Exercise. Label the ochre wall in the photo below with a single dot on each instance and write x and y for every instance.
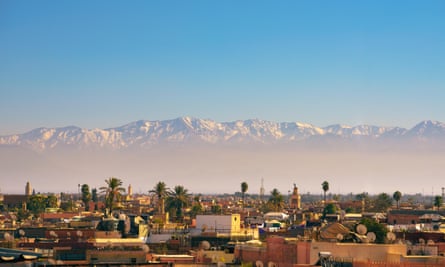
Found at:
(376, 252)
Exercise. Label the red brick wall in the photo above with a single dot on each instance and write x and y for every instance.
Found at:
(402, 218)
(277, 250)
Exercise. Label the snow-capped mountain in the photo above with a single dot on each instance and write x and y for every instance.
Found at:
(146, 133)
(427, 129)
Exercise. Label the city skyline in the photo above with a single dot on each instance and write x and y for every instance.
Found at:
(102, 64)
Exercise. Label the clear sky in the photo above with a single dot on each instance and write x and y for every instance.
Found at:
(106, 63)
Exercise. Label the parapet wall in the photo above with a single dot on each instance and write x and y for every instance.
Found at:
(359, 252)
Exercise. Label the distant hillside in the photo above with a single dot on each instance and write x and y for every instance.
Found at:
(186, 130)
(208, 156)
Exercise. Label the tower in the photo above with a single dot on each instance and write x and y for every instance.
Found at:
(130, 190)
(28, 189)
(130, 193)
(295, 199)
(262, 191)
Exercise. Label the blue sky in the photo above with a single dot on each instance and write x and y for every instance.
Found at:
(106, 63)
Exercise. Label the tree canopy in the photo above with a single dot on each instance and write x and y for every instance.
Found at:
(438, 201)
(329, 209)
(177, 200)
(161, 192)
(276, 200)
(113, 192)
(37, 204)
(244, 187)
(86, 196)
(377, 228)
(325, 187)
(397, 196)
(382, 202)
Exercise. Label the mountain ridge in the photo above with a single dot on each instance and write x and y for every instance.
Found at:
(146, 133)
(204, 155)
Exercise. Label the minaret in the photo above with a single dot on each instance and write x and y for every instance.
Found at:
(295, 199)
(28, 189)
(262, 191)
(130, 191)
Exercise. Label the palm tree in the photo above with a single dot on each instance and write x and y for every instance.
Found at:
(113, 192)
(438, 200)
(196, 206)
(276, 200)
(325, 187)
(94, 197)
(86, 196)
(161, 192)
(397, 196)
(178, 199)
(244, 187)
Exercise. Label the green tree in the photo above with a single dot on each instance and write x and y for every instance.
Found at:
(86, 196)
(113, 192)
(178, 199)
(196, 206)
(67, 205)
(325, 187)
(51, 201)
(94, 197)
(364, 198)
(329, 209)
(438, 201)
(382, 202)
(216, 209)
(244, 187)
(36, 204)
(397, 196)
(161, 192)
(377, 228)
(196, 209)
(23, 215)
(276, 200)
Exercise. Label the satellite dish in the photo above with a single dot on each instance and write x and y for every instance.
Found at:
(259, 263)
(79, 233)
(430, 242)
(422, 241)
(53, 234)
(371, 236)
(7, 237)
(340, 237)
(204, 227)
(391, 236)
(205, 245)
(361, 229)
(145, 248)
(21, 232)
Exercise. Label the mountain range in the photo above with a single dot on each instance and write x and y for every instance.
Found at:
(210, 156)
(187, 130)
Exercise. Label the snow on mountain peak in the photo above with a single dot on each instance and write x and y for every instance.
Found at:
(188, 129)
